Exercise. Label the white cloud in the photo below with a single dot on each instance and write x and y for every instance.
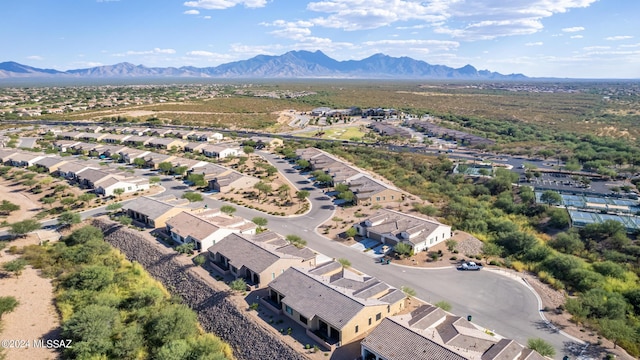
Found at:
(592, 48)
(573, 29)
(630, 45)
(618, 38)
(35, 57)
(154, 51)
(298, 30)
(464, 19)
(576, 37)
(207, 17)
(192, 12)
(416, 44)
(537, 43)
(201, 53)
(225, 4)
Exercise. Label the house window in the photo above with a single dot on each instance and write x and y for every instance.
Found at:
(273, 276)
(288, 310)
(392, 197)
(377, 198)
(388, 309)
(369, 321)
(378, 316)
(303, 320)
(357, 329)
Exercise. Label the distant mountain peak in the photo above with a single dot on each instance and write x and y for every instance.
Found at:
(293, 64)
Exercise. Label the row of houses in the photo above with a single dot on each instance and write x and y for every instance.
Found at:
(335, 305)
(102, 180)
(141, 131)
(367, 189)
(219, 178)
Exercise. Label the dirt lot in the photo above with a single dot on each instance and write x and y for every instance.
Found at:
(286, 203)
(35, 317)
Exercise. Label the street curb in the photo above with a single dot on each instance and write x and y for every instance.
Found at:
(540, 311)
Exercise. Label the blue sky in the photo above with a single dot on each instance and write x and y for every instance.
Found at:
(539, 38)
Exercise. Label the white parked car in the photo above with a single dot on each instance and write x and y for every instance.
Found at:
(469, 266)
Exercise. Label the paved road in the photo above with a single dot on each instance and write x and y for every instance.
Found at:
(497, 302)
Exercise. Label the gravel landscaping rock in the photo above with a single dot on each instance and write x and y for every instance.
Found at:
(216, 313)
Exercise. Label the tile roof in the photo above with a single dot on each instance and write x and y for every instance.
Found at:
(333, 298)
(393, 341)
(187, 224)
(243, 250)
(152, 208)
(505, 349)
(393, 224)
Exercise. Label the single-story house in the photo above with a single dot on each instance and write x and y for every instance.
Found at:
(167, 143)
(391, 227)
(221, 151)
(258, 258)
(72, 169)
(207, 228)
(428, 333)
(154, 212)
(25, 159)
(107, 186)
(51, 163)
(351, 303)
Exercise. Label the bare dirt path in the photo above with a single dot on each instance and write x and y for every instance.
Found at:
(36, 317)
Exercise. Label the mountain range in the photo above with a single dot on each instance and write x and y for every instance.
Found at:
(291, 65)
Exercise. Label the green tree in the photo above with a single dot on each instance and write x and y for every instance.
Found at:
(186, 248)
(180, 170)
(238, 285)
(228, 209)
(118, 192)
(172, 322)
(616, 330)
(542, 347)
(199, 260)
(90, 328)
(303, 164)
(84, 235)
(7, 304)
(248, 150)
(139, 162)
(490, 250)
(283, 191)
(15, 266)
(408, 292)
(403, 249)
(351, 232)
(86, 197)
(22, 228)
(69, 218)
(451, 244)
(197, 180)
(192, 196)
(443, 305)
(260, 221)
(7, 207)
(153, 180)
(568, 243)
(301, 195)
(165, 167)
(551, 197)
(114, 206)
(262, 187)
(296, 240)
(48, 200)
(92, 278)
(344, 262)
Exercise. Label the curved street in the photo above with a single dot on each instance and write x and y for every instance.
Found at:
(498, 302)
